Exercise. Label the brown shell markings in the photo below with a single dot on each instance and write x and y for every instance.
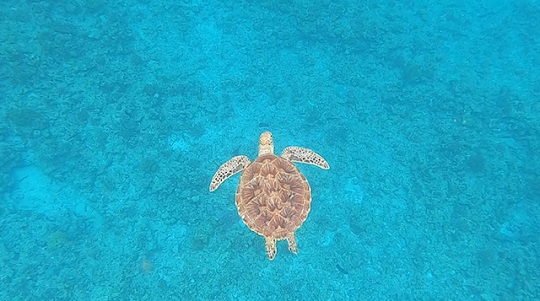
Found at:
(273, 197)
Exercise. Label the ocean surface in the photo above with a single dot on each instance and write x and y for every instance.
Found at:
(115, 115)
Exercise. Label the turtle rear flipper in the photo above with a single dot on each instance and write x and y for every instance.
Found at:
(229, 168)
(304, 155)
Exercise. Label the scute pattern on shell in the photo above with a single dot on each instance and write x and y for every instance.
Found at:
(273, 197)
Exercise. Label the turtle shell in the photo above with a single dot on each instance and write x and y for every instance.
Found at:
(273, 197)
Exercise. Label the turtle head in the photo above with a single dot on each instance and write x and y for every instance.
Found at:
(266, 144)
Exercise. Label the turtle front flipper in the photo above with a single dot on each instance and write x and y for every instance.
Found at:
(229, 168)
(304, 155)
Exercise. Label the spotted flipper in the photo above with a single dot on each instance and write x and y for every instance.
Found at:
(229, 168)
(271, 249)
(304, 155)
(292, 243)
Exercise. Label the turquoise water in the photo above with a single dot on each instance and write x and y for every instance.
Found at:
(114, 118)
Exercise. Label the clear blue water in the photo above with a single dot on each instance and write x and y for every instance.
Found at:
(114, 118)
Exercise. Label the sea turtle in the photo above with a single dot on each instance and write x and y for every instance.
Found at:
(273, 196)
